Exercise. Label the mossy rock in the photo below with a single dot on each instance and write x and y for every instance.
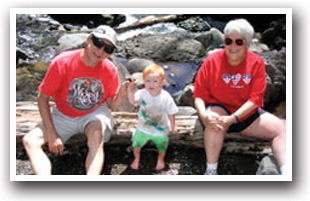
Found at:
(40, 67)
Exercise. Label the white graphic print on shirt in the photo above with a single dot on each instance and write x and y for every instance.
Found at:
(85, 93)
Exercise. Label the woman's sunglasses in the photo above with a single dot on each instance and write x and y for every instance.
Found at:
(238, 41)
(99, 44)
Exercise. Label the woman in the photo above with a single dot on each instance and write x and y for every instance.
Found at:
(229, 93)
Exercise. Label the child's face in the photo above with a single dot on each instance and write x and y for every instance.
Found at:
(153, 83)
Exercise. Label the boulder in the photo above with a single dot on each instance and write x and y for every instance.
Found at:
(194, 24)
(211, 39)
(21, 54)
(268, 166)
(137, 65)
(71, 41)
(161, 47)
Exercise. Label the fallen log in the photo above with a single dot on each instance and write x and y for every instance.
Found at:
(190, 132)
(147, 21)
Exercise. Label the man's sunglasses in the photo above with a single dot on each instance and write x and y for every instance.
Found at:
(99, 44)
(238, 41)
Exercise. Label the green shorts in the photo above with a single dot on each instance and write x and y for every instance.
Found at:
(139, 139)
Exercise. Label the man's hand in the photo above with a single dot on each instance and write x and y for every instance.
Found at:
(55, 144)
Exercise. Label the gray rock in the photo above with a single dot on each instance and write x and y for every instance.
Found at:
(71, 41)
(186, 97)
(122, 74)
(161, 47)
(268, 166)
(275, 65)
(258, 47)
(211, 39)
(137, 65)
(21, 54)
(194, 24)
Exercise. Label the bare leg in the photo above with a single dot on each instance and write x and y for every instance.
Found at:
(161, 160)
(213, 141)
(39, 161)
(95, 157)
(135, 164)
(268, 126)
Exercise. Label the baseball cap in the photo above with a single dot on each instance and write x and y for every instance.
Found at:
(105, 32)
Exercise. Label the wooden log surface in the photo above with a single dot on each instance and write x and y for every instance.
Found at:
(147, 21)
(190, 131)
(144, 22)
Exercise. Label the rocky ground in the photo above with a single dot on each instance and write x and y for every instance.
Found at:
(179, 161)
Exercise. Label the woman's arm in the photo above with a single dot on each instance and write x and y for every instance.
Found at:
(244, 110)
(201, 109)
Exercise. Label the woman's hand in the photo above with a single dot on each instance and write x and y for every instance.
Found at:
(212, 120)
(226, 121)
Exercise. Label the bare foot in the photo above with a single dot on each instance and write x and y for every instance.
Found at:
(160, 165)
(135, 165)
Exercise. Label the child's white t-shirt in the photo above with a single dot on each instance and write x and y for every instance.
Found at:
(154, 111)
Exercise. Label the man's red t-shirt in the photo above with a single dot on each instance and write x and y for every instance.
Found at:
(76, 88)
(231, 86)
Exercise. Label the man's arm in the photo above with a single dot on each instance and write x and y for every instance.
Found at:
(132, 88)
(55, 143)
(116, 102)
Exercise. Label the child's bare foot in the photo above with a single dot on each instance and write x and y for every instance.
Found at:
(135, 165)
(160, 165)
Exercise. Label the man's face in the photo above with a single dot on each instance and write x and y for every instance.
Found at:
(94, 53)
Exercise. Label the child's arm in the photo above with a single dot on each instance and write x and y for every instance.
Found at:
(131, 93)
(173, 128)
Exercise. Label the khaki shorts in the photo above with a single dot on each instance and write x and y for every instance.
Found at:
(66, 126)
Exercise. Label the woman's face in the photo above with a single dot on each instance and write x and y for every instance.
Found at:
(236, 47)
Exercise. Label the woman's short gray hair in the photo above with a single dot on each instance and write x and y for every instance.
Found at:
(240, 26)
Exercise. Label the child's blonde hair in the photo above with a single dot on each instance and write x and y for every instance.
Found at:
(154, 68)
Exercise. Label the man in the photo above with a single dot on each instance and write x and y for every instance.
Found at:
(84, 85)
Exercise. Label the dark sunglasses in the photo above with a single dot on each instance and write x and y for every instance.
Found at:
(238, 41)
(99, 44)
